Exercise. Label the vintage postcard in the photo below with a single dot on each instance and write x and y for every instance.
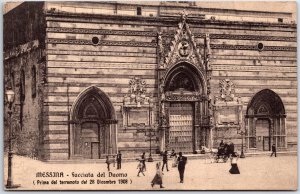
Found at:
(182, 95)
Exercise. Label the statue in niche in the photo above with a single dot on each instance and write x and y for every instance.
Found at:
(162, 92)
(164, 121)
(160, 51)
(208, 49)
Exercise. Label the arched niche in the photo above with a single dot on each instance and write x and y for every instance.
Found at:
(93, 129)
(185, 76)
(265, 121)
(184, 109)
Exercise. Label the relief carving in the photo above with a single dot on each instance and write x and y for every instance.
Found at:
(227, 107)
(161, 56)
(136, 96)
(183, 47)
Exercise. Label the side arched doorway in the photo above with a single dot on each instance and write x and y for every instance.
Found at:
(265, 121)
(93, 125)
(186, 105)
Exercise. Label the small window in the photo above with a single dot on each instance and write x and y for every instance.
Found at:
(33, 81)
(12, 80)
(95, 40)
(22, 86)
(280, 20)
(260, 46)
(138, 11)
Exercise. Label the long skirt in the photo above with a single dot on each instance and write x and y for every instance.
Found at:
(157, 180)
(234, 169)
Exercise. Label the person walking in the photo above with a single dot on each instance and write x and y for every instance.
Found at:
(234, 167)
(165, 161)
(144, 161)
(141, 168)
(107, 162)
(182, 160)
(273, 150)
(119, 160)
(157, 180)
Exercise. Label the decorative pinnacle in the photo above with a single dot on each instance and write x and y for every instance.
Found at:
(184, 15)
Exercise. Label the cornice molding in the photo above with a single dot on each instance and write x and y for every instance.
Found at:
(56, 16)
(154, 45)
(101, 43)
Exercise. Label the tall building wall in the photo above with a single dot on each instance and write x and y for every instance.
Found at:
(23, 72)
(127, 49)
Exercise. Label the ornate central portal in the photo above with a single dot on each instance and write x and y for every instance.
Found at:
(184, 116)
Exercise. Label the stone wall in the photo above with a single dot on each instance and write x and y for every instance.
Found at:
(27, 109)
(127, 48)
(24, 51)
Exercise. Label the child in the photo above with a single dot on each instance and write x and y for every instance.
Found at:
(141, 168)
(107, 162)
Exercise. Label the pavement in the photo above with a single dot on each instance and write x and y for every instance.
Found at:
(257, 173)
(157, 157)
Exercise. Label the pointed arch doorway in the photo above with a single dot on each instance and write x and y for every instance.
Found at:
(186, 106)
(265, 122)
(93, 126)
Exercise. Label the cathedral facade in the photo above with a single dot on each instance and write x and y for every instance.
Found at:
(94, 78)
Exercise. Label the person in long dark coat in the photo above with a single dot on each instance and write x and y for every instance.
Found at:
(234, 167)
(119, 160)
(165, 161)
(273, 150)
(181, 166)
(231, 148)
(220, 149)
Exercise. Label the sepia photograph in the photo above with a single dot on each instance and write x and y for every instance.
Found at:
(150, 95)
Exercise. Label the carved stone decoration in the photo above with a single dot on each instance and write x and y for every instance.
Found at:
(183, 47)
(207, 51)
(227, 107)
(153, 34)
(136, 96)
(160, 51)
(227, 90)
(137, 106)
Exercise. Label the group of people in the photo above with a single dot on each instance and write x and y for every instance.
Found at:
(179, 161)
(225, 149)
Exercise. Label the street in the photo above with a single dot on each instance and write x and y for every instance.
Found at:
(257, 173)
